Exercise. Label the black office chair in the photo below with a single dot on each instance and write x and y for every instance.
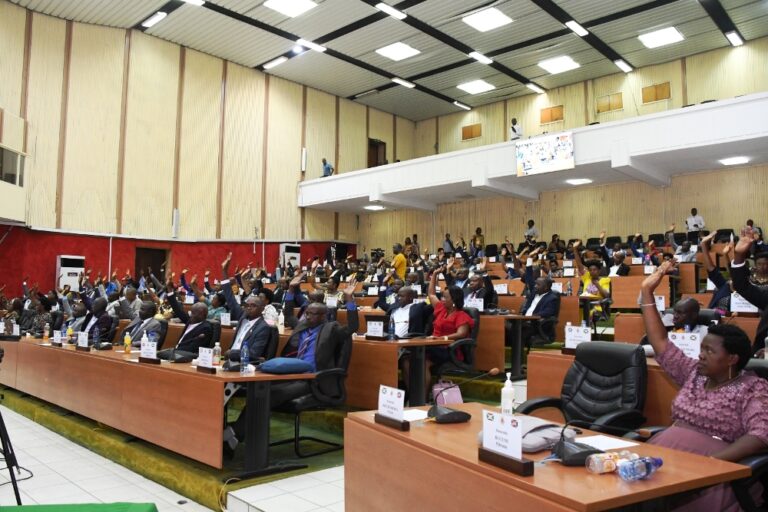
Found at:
(593, 244)
(491, 250)
(706, 316)
(327, 390)
(545, 328)
(112, 330)
(162, 334)
(467, 346)
(611, 240)
(57, 320)
(605, 387)
(724, 235)
(657, 238)
(680, 238)
(274, 339)
(216, 333)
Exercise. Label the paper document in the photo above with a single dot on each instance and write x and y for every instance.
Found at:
(602, 442)
(414, 415)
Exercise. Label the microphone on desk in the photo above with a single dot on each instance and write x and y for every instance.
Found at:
(573, 453)
(447, 415)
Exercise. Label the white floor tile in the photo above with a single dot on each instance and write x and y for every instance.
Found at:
(285, 503)
(322, 495)
(257, 492)
(236, 505)
(329, 475)
(297, 483)
(336, 507)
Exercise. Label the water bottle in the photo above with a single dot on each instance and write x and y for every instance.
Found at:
(46, 331)
(687, 328)
(281, 322)
(64, 336)
(508, 396)
(391, 331)
(600, 463)
(583, 323)
(639, 469)
(569, 289)
(244, 357)
(96, 335)
(217, 354)
(127, 343)
(765, 352)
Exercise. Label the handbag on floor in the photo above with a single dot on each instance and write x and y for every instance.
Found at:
(451, 395)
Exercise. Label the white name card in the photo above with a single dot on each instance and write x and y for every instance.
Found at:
(189, 299)
(569, 272)
(557, 287)
(648, 269)
(149, 349)
(372, 291)
(637, 261)
(661, 302)
(375, 328)
(474, 303)
(574, 335)
(391, 402)
(510, 265)
(711, 286)
(2, 327)
(331, 301)
(57, 336)
(567, 264)
(688, 342)
(82, 339)
(225, 319)
(501, 289)
(417, 289)
(492, 259)
(205, 357)
(741, 305)
(502, 434)
(529, 262)
(17, 330)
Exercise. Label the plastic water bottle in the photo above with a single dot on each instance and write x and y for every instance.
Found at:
(639, 469)
(96, 335)
(46, 331)
(600, 463)
(281, 322)
(63, 334)
(127, 343)
(583, 323)
(508, 396)
(245, 357)
(765, 352)
(217, 354)
(391, 331)
(569, 289)
(687, 328)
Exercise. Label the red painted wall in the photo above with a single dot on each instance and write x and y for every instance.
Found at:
(28, 253)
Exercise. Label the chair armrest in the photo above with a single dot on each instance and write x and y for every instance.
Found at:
(457, 345)
(329, 380)
(534, 404)
(757, 463)
(623, 418)
(640, 434)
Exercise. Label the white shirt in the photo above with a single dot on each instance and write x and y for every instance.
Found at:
(694, 223)
(515, 132)
(244, 326)
(614, 271)
(402, 318)
(532, 232)
(685, 257)
(535, 303)
(93, 321)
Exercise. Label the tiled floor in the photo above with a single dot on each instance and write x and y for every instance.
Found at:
(311, 492)
(65, 472)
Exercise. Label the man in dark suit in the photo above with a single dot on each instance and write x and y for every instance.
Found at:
(198, 331)
(144, 323)
(542, 302)
(480, 287)
(98, 318)
(757, 295)
(614, 264)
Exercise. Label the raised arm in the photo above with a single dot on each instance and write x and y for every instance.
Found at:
(654, 328)
(740, 275)
(226, 286)
(431, 289)
(577, 257)
(178, 309)
(670, 234)
(704, 244)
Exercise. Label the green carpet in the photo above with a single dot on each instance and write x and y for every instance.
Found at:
(190, 478)
(104, 507)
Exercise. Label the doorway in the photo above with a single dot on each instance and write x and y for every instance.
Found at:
(377, 152)
(151, 258)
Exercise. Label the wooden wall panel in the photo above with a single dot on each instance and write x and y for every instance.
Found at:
(381, 230)
(381, 128)
(318, 224)
(490, 116)
(425, 137)
(13, 131)
(12, 23)
(406, 131)
(348, 227)
(728, 72)
(93, 128)
(198, 158)
(150, 137)
(498, 216)
(243, 152)
(631, 85)
(283, 159)
(321, 132)
(353, 146)
(527, 110)
(46, 67)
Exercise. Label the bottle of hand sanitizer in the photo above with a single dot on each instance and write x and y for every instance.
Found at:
(508, 397)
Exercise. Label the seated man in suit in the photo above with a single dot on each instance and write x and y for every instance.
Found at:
(409, 318)
(683, 252)
(480, 287)
(614, 264)
(543, 302)
(144, 323)
(198, 331)
(684, 318)
(76, 313)
(98, 319)
(129, 306)
(388, 294)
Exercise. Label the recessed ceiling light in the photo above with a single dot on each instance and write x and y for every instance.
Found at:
(297, 49)
(479, 57)
(476, 86)
(661, 37)
(290, 8)
(559, 64)
(374, 207)
(154, 19)
(461, 105)
(580, 31)
(734, 38)
(735, 160)
(391, 11)
(622, 65)
(398, 51)
(487, 19)
(404, 83)
(274, 63)
(311, 45)
(578, 181)
(535, 88)
(195, 2)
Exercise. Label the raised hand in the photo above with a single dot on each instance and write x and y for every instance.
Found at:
(744, 245)
(576, 245)
(296, 281)
(207, 272)
(652, 281)
(184, 270)
(671, 227)
(707, 239)
(727, 248)
(602, 234)
(350, 289)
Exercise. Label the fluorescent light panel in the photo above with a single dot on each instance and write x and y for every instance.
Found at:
(154, 19)
(195, 2)
(479, 57)
(487, 19)
(535, 88)
(398, 51)
(366, 93)
(734, 38)
(578, 29)
(391, 11)
(274, 63)
(578, 181)
(559, 64)
(476, 87)
(404, 83)
(374, 207)
(311, 45)
(461, 105)
(661, 37)
(290, 8)
(735, 160)
(622, 65)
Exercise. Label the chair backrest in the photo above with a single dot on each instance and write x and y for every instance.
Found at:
(723, 235)
(57, 320)
(216, 332)
(491, 250)
(612, 240)
(658, 238)
(604, 377)
(759, 366)
(475, 314)
(706, 316)
(272, 343)
(680, 238)
(162, 334)
(593, 244)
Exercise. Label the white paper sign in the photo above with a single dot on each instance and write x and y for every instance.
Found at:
(569, 272)
(637, 261)
(2, 327)
(416, 288)
(501, 288)
(375, 328)
(510, 265)
(189, 299)
(82, 339)
(502, 434)
(741, 305)
(688, 342)
(441, 277)
(225, 319)
(574, 335)
(331, 301)
(204, 357)
(492, 259)
(528, 262)
(711, 286)
(57, 336)
(391, 402)
(372, 291)
(648, 269)
(661, 302)
(557, 287)
(149, 349)
(474, 303)
(567, 263)
(16, 330)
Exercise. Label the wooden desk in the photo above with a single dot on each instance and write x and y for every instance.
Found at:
(170, 405)
(628, 327)
(435, 468)
(546, 372)
(689, 278)
(625, 291)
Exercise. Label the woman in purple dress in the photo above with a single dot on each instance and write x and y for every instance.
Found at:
(721, 410)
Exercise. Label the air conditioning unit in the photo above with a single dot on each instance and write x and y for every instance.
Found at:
(292, 253)
(68, 270)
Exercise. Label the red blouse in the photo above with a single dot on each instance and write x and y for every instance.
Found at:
(446, 324)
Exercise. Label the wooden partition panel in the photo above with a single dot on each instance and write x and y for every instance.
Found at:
(626, 290)
(628, 327)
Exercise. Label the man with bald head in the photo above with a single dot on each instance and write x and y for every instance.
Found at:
(686, 314)
(98, 318)
(145, 323)
(198, 331)
(409, 318)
